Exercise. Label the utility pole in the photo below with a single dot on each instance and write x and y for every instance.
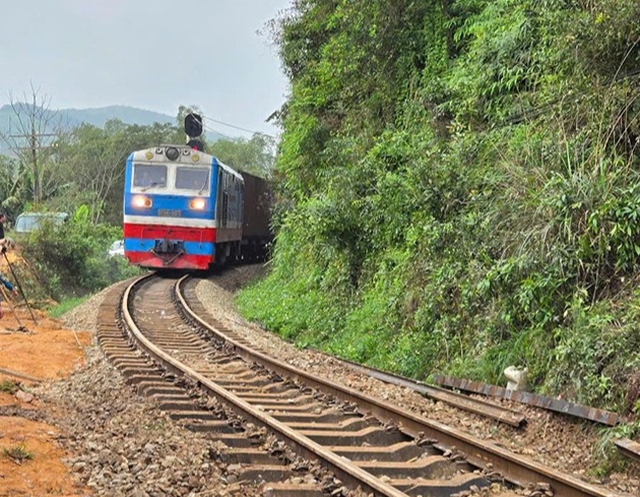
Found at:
(32, 122)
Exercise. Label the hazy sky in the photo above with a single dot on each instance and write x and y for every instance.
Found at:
(152, 54)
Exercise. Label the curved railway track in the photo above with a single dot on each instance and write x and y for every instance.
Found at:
(209, 379)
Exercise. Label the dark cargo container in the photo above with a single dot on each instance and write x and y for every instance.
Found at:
(256, 224)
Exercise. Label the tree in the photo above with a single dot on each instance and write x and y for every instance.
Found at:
(256, 155)
(93, 159)
(8, 185)
(31, 138)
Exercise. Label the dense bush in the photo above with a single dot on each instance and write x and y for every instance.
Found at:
(71, 259)
(459, 186)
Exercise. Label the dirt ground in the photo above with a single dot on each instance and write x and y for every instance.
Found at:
(30, 460)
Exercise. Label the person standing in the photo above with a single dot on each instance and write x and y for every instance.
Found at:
(4, 241)
(7, 284)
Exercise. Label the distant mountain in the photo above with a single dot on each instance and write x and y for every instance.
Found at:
(99, 116)
(128, 115)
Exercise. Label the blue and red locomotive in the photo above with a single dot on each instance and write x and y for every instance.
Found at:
(184, 209)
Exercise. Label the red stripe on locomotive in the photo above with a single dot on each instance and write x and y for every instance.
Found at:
(155, 231)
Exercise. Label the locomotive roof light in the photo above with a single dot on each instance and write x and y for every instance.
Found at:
(159, 150)
(186, 151)
(197, 204)
(172, 153)
(141, 201)
(149, 155)
(196, 144)
(195, 157)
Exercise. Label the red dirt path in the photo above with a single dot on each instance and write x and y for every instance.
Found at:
(49, 352)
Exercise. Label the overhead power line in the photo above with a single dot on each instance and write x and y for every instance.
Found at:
(213, 130)
(237, 127)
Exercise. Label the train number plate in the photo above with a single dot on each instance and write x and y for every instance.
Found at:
(170, 212)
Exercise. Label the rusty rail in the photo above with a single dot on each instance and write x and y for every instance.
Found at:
(532, 399)
(628, 447)
(464, 402)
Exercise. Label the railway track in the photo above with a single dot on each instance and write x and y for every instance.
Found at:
(460, 401)
(209, 379)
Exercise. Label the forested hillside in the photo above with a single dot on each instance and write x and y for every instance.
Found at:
(459, 190)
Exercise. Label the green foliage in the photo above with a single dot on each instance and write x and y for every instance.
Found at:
(17, 453)
(9, 386)
(65, 306)
(254, 156)
(71, 259)
(458, 190)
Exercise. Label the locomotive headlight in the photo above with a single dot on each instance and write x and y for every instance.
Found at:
(141, 202)
(197, 204)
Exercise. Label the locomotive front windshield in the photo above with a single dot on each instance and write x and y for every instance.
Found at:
(192, 178)
(146, 176)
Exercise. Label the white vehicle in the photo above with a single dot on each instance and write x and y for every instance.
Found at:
(30, 221)
(116, 249)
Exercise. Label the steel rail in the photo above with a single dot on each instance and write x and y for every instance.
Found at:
(461, 401)
(480, 453)
(532, 399)
(628, 447)
(340, 466)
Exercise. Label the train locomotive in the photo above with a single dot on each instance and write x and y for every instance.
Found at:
(186, 210)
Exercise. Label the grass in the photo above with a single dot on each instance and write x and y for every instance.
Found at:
(17, 453)
(66, 305)
(9, 386)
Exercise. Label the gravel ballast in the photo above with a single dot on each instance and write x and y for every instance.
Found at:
(94, 404)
